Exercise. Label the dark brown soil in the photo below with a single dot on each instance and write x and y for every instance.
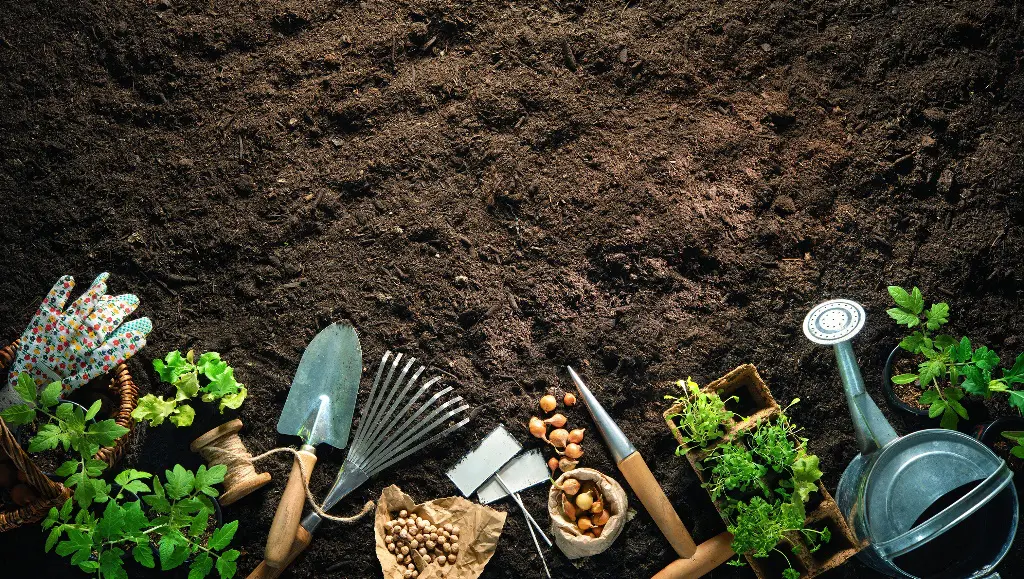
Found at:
(910, 394)
(643, 190)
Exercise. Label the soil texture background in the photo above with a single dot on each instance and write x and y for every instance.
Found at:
(643, 190)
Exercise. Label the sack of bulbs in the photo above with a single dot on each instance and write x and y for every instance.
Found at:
(452, 537)
(588, 511)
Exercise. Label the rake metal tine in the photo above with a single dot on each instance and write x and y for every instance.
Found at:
(411, 436)
(423, 408)
(387, 403)
(366, 405)
(418, 447)
(374, 407)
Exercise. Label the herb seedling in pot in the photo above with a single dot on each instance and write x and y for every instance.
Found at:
(701, 418)
(70, 427)
(950, 368)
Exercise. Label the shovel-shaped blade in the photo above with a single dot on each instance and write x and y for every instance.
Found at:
(323, 395)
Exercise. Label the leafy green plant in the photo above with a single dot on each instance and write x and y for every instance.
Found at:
(733, 468)
(701, 417)
(951, 368)
(771, 441)
(176, 521)
(760, 526)
(208, 377)
(71, 427)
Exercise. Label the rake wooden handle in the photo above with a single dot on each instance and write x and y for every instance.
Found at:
(286, 520)
(647, 489)
(264, 571)
(709, 554)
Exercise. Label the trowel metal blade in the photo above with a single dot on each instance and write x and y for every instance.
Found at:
(496, 449)
(520, 473)
(322, 398)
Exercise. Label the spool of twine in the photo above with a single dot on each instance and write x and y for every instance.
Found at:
(222, 445)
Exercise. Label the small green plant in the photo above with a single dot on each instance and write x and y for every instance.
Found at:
(771, 441)
(176, 521)
(760, 526)
(70, 427)
(733, 469)
(209, 376)
(951, 368)
(701, 418)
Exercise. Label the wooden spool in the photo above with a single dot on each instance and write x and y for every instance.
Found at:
(242, 484)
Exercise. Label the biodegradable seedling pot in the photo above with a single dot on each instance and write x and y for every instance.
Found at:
(755, 403)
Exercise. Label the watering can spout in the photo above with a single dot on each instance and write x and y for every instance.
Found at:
(835, 323)
(872, 429)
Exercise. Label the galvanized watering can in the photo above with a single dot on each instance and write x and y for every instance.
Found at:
(934, 504)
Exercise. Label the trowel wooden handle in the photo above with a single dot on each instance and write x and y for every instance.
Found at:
(646, 487)
(264, 571)
(709, 554)
(289, 511)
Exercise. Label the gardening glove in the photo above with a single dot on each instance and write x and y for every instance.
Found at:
(77, 344)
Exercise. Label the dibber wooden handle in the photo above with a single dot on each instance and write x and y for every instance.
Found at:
(289, 511)
(646, 487)
(264, 571)
(709, 554)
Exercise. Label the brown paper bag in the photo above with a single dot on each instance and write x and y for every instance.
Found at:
(567, 536)
(480, 528)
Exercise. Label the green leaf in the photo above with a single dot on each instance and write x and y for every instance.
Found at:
(904, 378)
(1017, 451)
(50, 395)
(46, 439)
(222, 385)
(222, 536)
(158, 504)
(985, 359)
(67, 468)
(94, 467)
(144, 556)
(233, 401)
(912, 302)
(172, 552)
(949, 419)
(94, 410)
(226, 565)
(130, 474)
(210, 365)
(172, 366)
(154, 409)
(936, 409)
(958, 408)
(135, 519)
(201, 566)
(199, 523)
(930, 371)
(112, 521)
(187, 386)
(914, 343)
(1015, 375)
(962, 352)
(105, 432)
(937, 315)
(18, 415)
(51, 539)
(65, 509)
(902, 317)
(1014, 435)
(1017, 399)
(184, 416)
(944, 341)
(976, 381)
(206, 478)
(136, 486)
(26, 388)
(179, 482)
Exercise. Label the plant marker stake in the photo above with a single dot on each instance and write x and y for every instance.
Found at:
(637, 474)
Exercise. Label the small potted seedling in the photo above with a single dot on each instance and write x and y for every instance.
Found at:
(1005, 436)
(937, 371)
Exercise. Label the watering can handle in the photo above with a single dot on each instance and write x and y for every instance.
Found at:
(872, 429)
(949, 517)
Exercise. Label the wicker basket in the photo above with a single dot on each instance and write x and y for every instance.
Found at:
(53, 493)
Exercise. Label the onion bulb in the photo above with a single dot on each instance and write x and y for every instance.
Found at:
(559, 437)
(601, 518)
(565, 464)
(576, 435)
(568, 508)
(569, 399)
(597, 507)
(584, 501)
(573, 450)
(537, 427)
(548, 403)
(597, 531)
(557, 420)
(571, 486)
(553, 463)
(584, 523)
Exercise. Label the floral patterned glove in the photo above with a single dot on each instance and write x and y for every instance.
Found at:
(77, 344)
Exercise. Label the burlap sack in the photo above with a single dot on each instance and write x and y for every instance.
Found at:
(481, 526)
(567, 536)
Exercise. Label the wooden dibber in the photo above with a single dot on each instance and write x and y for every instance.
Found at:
(223, 446)
(286, 520)
(709, 554)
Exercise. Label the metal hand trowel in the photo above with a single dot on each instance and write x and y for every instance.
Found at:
(319, 409)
